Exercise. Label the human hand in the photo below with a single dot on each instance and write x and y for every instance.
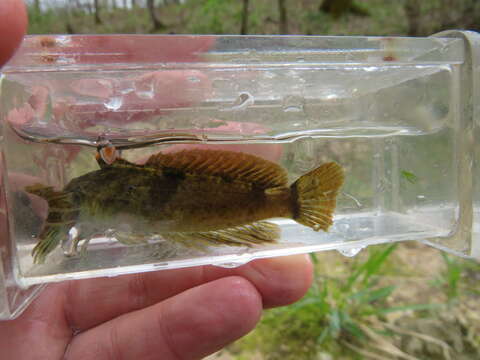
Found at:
(171, 314)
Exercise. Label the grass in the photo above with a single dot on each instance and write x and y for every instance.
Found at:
(459, 277)
(334, 317)
(358, 310)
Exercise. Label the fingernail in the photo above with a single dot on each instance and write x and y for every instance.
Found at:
(288, 261)
(282, 280)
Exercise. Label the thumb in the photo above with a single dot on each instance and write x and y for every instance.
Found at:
(13, 25)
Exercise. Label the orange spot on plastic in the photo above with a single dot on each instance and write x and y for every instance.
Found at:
(49, 58)
(48, 42)
(389, 58)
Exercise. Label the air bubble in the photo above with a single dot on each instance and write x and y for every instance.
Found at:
(145, 91)
(350, 252)
(354, 199)
(114, 103)
(231, 265)
(292, 109)
(343, 227)
(69, 245)
(145, 94)
(243, 101)
(293, 103)
(127, 91)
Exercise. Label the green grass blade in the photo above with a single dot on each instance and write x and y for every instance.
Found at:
(368, 295)
(354, 329)
(370, 267)
(409, 176)
(374, 263)
(335, 322)
(414, 307)
(323, 336)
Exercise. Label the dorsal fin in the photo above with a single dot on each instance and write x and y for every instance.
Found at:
(227, 164)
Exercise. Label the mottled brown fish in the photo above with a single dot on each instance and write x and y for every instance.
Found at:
(192, 196)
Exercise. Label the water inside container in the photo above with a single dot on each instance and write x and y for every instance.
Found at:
(392, 128)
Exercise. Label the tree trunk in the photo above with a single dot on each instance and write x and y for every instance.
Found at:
(98, 20)
(283, 24)
(335, 7)
(114, 4)
(244, 29)
(456, 14)
(472, 17)
(36, 5)
(134, 3)
(412, 10)
(68, 26)
(157, 24)
(339, 7)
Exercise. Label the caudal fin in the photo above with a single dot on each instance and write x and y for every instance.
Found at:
(61, 216)
(315, 194)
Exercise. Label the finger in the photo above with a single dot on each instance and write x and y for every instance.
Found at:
(41, 325)
(139, 49)
(13, 25)
(190, 325)
(279, 281)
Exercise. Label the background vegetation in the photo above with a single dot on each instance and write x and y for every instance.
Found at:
(404, 301)
(320, 17)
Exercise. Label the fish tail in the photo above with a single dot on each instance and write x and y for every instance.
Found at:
(61, 216)
(315, 194)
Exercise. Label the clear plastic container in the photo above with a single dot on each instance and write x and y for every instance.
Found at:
(399, 115)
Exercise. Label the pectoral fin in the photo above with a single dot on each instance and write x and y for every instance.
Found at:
(245, 235)
(62, 215)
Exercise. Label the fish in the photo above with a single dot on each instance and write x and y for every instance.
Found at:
(194, 196)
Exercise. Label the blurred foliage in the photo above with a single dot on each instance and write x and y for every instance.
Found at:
(365, 17)
(374, 307)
